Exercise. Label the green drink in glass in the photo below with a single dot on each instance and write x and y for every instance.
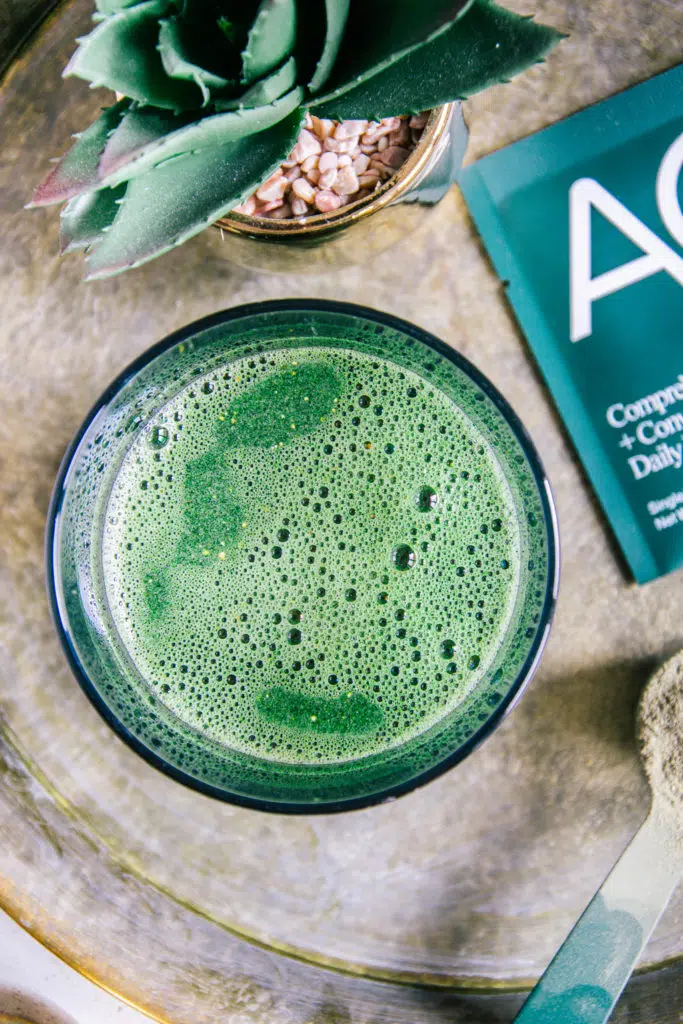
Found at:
(302, 556)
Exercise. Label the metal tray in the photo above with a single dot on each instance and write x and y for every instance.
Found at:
(445, 905)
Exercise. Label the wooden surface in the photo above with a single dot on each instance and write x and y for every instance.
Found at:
(471, 882)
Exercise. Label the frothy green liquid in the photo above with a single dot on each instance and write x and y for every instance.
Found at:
(311, 555)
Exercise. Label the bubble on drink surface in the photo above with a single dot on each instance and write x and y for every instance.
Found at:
(282, 570)
(426, 499)
(403, 557)
(133, 423)
(158, 437)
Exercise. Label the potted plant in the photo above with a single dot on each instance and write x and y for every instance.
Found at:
(214, 96)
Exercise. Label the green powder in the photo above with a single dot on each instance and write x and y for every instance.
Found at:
(312, 555)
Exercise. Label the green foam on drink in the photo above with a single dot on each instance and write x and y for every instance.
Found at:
(330, 491)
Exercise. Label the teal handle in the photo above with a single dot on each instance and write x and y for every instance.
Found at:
(589, 971)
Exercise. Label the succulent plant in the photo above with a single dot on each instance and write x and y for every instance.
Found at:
(214, 93)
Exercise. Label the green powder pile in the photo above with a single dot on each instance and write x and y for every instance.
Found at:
(660, 733)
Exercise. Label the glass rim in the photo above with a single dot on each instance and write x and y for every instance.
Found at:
(528, 668)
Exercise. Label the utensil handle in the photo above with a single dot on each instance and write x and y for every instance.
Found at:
(591, 967)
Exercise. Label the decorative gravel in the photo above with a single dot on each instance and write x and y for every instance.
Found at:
(335, 163)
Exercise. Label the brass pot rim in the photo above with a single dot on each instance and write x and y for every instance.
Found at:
(324, 223)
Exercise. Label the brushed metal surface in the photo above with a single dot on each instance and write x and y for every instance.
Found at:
(18, 19)
(466, 887)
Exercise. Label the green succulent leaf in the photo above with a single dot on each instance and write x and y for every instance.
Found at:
(139, 131)
(77, 171)
(271, 39)
(336, 14)
(173, 202)
(210, 40)
(265, 91)
(228, 29)
(107, 7)
(178, 63)
(138, 151)
(488, 45)
(214, 95)
(84, 218)
(121, 54)
(378, 34)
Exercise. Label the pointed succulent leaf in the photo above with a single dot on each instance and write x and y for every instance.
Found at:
(84, 218)
(378, 34)
(77, 171)
(178, 64)
(141, 129)
(271, 39)
(265, 91)
(177, 200)
(121, 53)
(216, 130)
(488, 44)
(336, 14)
(107, 7)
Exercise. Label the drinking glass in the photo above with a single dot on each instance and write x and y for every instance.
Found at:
(87, 629)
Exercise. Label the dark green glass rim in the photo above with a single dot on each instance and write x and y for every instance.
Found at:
(552, 579)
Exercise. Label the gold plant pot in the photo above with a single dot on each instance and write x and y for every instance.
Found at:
(356, 232)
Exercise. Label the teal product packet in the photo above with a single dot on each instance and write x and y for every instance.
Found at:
(584, 223)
